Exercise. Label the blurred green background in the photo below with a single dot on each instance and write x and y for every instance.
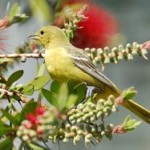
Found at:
(134, 20)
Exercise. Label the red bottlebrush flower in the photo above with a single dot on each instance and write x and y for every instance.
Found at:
(27, 124)
(97, 31)
(40, 110)
(32, 118)
(40, 130)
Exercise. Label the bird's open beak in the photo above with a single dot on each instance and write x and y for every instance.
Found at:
(34, 37)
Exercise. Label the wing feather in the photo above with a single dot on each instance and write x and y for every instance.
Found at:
(83, 62)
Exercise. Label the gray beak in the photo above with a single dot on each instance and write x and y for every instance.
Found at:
(34, 37)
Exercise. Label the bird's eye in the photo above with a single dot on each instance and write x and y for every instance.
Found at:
(42, 32)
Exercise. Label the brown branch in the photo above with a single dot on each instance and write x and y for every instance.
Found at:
(23, 56)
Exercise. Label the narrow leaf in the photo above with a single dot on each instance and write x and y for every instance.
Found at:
(62, 96)
(28, 89)
(80, 91)
(14, 77)
(41, 70)
(40, 82)
(14, 10)
(55, 86)
(4, 130)
(72, 99)
(6, 144)
(50, 97)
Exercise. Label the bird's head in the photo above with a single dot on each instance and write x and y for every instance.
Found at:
(50, 37)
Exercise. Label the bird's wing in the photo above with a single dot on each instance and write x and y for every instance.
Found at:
(82, 62)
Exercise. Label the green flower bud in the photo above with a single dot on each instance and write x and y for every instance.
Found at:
(80, 132)
(130, 57)
(79, 120)
(103, 133)
(25, 138)
(32, 133)
(74, 128)
(80, 106)
(72, 117)
(93, 118)
(19, 133)
(76, 139)
(99, 114)
(79, 115)
(26, 131)
(65, 140)
(88, 136)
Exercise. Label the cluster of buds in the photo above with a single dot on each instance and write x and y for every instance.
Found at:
(90, 112)
(113, 55)
(72, 25)
(37, 125)
(87, 132)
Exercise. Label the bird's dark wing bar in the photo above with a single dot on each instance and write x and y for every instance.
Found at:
(87, 66)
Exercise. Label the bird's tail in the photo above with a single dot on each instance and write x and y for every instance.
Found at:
(138, 110)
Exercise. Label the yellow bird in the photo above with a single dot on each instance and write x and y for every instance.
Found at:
(65, 62)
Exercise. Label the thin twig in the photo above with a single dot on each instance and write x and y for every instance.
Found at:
(25, 55)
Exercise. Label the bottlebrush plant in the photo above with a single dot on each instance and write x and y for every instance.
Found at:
(69, 112)
(99, 29)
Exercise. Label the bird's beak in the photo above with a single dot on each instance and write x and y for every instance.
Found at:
(34, 37)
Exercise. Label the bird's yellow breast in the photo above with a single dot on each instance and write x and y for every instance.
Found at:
(61, 67)
(57, 62)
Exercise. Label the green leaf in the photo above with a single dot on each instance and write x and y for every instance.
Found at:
(11, 118)
(130, 124)
(80, 91)
(50, 97)
(36, 146)
(28, 89)
(55, 86)
(62, 96)
(14, 77)
(41, 70)
(129, 93)
(6, 144)
(40, 82)
(72, 100)
(5, 129)
(14, 10)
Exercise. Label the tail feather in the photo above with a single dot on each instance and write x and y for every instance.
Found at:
(138, 110)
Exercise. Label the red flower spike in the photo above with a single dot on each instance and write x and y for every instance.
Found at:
(27, 124)
(32, 118)
(39, 131)
(97, 31)
(40, 110)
